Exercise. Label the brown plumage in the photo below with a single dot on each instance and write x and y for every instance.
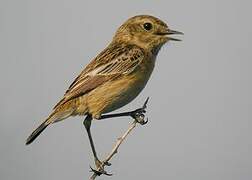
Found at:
(117, 75)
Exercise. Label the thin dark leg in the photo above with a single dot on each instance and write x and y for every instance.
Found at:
(87, 123)
(106, 116)
(137, 114)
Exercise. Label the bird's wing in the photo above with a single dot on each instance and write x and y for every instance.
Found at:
(112, 63)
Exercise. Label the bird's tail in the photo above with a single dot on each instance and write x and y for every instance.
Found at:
(56, 116)
(60, 113)
(37, 131)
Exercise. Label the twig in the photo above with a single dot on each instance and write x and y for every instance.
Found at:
(115, 148)
(139, 117)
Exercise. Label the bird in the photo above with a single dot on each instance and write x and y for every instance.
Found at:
(114, 77)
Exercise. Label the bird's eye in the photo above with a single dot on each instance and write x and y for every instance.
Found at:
(147, 26)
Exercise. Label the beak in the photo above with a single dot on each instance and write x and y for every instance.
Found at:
(171, 32)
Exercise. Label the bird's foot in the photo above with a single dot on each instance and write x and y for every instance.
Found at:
(98, 163)
(139, 114)
(100, 167)
(100, 171)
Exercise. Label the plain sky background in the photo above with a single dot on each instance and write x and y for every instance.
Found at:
(200, 92)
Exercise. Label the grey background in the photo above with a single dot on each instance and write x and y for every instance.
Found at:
(200, 106)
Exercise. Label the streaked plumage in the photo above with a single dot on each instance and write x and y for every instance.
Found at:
(117, 75)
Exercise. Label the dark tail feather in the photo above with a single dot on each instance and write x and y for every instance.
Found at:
(36, 132)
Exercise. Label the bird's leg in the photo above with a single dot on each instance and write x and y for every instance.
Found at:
(137, 114)
(87, 123)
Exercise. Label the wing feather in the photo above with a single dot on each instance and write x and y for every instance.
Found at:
(112, 63)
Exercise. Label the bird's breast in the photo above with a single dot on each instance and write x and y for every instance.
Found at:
(119, 92)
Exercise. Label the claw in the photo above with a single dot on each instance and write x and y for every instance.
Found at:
(99, 172)
(139, 117)
(138, 114)
(144, 122)
(145, 103)
(107, 163)
(141, 120)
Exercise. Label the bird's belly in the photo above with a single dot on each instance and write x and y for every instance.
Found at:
(115, 94)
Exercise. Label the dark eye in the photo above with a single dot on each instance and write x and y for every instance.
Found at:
(147, 26)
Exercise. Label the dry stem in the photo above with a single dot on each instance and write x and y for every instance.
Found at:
(115, 148)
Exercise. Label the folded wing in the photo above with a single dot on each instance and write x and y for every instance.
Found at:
(110, 64)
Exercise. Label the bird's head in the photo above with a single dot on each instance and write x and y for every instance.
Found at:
(145, 31)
